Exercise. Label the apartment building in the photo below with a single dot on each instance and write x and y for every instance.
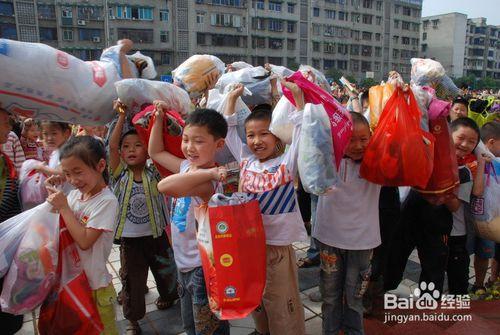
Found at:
(364, 38)
(464, 46)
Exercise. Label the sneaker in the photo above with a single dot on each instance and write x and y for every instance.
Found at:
(315, 296)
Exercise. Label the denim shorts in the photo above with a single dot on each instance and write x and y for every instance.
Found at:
(484, 248)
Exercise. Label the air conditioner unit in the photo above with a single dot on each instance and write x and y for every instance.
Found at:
(96, 39)
(81, 22)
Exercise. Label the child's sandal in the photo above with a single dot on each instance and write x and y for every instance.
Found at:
(161, 305)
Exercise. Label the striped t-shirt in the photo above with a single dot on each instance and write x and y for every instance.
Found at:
(9, 199)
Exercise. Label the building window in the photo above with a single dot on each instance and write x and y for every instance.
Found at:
(378, 20)
(342, 64)
(220, 20)
(260, 4)
(368, 4)
(291, 8)
(275, 60)
(315, 11)
(355, 34)
(164, 36)
(316, 28)
(67, 35)
(137, 35)
(275, 6)
(329, 14)
(329, 48)
(89, 34)
(164, 15)
(405, 40)
(355, 65)
(405, 25)
(395, 39)
(259, 42)
(435, 23)
(377, 67)
(396, 24)
(379, 5)
(200, 18)
(66, 12)
(367, 19)
(44, 11)
(316, 46)
(275, 43)
(343, 16)
(226, 40)
(367, 36)
(200, 38)
(48, 34)
(290, 27)
(377, 37)
(123, 12)
(258, 23)
(366, 66)
(343, 49)
(355, 17)
(378, 51)
(354, 50)
(316, 63)
(275, 25)
(235, 3)
(366, 51)
(165, 58)
(395, 54)
(425, 25)
(290, 44)
(397, 8)
(143, 13)
(407, 11)
(424, 47)
(89, 13)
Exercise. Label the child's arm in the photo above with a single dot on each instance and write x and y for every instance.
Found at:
(453, 204)
(84, 237)
(124, 63)
(197, 183)
(233, 140)
(114, 140)
(48, 171)
(156, 149)
(478, 182)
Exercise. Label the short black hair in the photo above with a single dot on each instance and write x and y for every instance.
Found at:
(358, 118)
(86, 148)
(461, 100)
(129, 132)
(467, 123)
(490, 130)
(261, 114)
(213, 120)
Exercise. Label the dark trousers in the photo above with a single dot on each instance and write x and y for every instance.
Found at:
(304, 200)
(389, 213)
(137, 255)
(427, 228)
(9, 324)
(458, 266)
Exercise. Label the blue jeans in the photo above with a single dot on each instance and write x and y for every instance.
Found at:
(344, 278)
(197, 318)
(313, 252)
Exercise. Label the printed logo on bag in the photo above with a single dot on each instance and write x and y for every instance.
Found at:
(437, 129)
(99, 74)
(222, 227)
(62, 59)
(226, 260)
(230, 292)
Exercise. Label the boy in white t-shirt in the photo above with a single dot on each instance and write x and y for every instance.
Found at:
(268, 175)
(346, 231)
(192, 183)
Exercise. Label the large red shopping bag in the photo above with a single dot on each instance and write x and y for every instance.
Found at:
(400, 153)
(340, 119)
(443, 183)
(70, 308)
(172, 132)
(232, 246)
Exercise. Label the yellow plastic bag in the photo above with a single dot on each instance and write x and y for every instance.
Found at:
(378, 96)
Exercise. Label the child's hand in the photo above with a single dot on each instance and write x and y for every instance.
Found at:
(267, 66)
(298, 96)
(219, 173)
(160, 107)
(236, 92)
(119, 106)
(484, 158)
(54, 181)
(41, 167)
(126, 45)
(57, 199)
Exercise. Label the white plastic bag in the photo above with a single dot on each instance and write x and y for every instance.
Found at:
(193, 74)
(424, 98)
(319, 77)
(217, 101)
(149, 71)
(136, 92)
(31, 184)
(240, 65)
(32, 272)
(281, 71)
(425, 70)
(255, 79)
(316, 160)
(41, 82)
(281, 126)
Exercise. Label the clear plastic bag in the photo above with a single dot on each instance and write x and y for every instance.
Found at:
(316, 160)
(31, 184)
(255, 79)
(194, 73)
(240, 65)
(32, 272)
(281, 71)
(134, 93)
(319, 77)
(281, 126)
(217, 101)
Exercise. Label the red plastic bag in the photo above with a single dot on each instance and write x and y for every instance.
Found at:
(70, 307)
(400, 153)
(232, 245)
(443, 183)
(340, 119)
(172, 132)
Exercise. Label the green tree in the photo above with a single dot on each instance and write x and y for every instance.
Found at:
(351, 79)
(369, 82)
(294, 66)
(333, 73)
(488, 82)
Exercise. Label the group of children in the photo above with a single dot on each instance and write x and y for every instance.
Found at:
(117, 195)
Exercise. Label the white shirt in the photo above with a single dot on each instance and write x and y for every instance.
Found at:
(272, 184)
(183, 229)
(459, 228)
(348, 216)
(98, 212)
(137, 222)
